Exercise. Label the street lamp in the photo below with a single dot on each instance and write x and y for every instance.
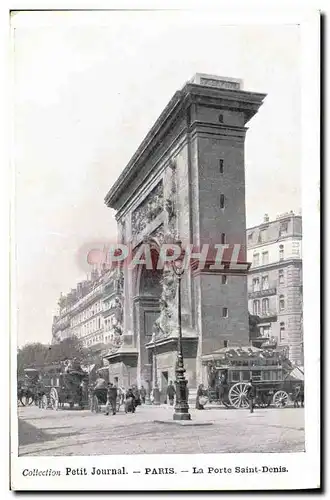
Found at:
(155, 389)
(181, 409)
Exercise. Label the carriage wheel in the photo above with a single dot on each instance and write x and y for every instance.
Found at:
(238, 395)
(281, 399)
(44, 402)
(54, 399)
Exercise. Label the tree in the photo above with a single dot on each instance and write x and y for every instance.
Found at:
(68, 348)
(31, 355)
(37, 355)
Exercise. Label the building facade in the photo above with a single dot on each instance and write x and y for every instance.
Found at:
(186, 181)
(90, 311)
(274, 249)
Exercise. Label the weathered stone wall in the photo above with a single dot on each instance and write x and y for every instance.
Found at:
(125, 371)
(216, 296)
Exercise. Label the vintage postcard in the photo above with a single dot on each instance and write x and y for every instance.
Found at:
(165, 259)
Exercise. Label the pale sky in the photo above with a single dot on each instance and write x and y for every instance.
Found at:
(86, 96)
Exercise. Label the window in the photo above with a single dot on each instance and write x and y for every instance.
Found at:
(264, 283)
(281, 252)
(256, 307)
(250, 236)
(256, 284)
(282, 303)
(266, 331)
(256, 259)
(265, 306)
(224, 279)
(256, 375)
(262, 236)
(281, 276)
(235, 376)
(225, 312)
(265, 258)
(222, 201)
(220, 118)
(221, 166)
(282, 331)
(223, 238)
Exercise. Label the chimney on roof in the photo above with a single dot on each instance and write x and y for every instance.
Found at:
(266, 218)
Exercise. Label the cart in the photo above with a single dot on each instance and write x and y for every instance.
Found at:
(64, 387)
(270, 370)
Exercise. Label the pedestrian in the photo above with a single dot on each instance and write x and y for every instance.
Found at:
(136, 392)
(297, 396)
(251, 395)
(222, 390)
(143, 394)
(130, 401)
(170, 392)
(100, 391)
(111, 399)
(200, 397)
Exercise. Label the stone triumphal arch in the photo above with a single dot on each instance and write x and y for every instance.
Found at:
(186, 181)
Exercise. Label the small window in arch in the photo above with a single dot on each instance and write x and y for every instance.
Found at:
(221, 166)
(223, 238)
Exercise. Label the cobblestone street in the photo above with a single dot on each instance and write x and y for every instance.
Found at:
(152, 430)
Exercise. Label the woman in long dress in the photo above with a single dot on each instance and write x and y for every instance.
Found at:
(200, 394)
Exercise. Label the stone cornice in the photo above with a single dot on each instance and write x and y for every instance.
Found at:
(170, 340)
(274, 265)
(246, 102)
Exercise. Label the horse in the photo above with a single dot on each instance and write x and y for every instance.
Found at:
(25, 395)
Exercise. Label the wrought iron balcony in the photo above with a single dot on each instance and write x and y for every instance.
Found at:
(271, 315)
(263, 293)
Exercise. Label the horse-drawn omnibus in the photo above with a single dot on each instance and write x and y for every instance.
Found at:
(274, 376)
(64, 384)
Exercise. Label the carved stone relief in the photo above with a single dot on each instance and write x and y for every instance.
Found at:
(170, 201)
(148, 210)
(116, 328)
(166, 324)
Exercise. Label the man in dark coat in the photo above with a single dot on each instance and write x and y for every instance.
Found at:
(251, 395)
(143, 394)
(130, 401)
(170, 392)
(111, 399)
(297, 396)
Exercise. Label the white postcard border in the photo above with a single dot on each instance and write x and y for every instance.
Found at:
(303, 468)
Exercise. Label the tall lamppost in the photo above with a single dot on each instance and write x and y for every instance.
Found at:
(181, 409)
(155, 389)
